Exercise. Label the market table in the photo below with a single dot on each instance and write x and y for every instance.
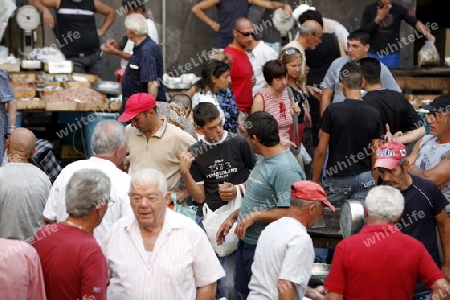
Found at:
(423, 82)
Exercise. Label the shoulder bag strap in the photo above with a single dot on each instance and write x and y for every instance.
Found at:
(295, 117)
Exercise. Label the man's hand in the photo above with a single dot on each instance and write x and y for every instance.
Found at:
(317, 293)
(215, 26)
(245, 223)
(227, 191)
(287, 12)
(186, 160)
(49, 21)
(287, 143)
(382, 13)
(223, 230)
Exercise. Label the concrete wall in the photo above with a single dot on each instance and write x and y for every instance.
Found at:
(188, 37)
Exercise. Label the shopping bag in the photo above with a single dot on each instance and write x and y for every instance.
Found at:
(428, 55)
(213, 219)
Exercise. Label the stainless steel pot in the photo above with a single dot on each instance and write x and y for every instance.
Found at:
(352, 217)
(108, 87)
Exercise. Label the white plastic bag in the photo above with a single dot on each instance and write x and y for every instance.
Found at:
(428, 55)
(213, 219)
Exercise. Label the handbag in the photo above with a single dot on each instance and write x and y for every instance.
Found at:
(213, 219)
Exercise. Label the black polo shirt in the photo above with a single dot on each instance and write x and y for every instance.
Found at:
(145, 65)
(352, 125)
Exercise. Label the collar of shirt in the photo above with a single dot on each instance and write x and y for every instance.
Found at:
(101, 161)
(170, 222)
(160, 131)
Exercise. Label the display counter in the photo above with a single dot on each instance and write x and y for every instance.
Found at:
(42, 91)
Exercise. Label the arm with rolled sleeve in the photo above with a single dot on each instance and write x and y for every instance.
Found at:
(206, 268)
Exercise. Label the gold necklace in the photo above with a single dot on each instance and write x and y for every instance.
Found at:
(73, 224)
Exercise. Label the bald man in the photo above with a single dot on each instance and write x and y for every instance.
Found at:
(309, 36)
(242, 71)
(24, 189)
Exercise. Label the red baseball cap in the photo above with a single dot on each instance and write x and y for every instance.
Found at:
(136, 104)
(389, 154)
(310, 191)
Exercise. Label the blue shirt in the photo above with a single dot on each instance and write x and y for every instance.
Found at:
(145, 65)
(269, 187)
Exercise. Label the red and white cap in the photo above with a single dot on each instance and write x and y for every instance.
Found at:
(389, 154)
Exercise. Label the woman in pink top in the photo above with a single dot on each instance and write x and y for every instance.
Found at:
(274, 98)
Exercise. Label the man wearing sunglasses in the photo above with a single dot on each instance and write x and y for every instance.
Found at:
(430, 157)
(242, 71)
(228, 11)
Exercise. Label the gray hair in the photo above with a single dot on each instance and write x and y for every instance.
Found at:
(136, 23)
(107, 137)
(300, 203)
(385, 203)
(86, 189)
(149, 175)
(306, 29)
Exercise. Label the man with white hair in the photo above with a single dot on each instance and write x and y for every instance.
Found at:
(284, 255)
(157, 253)
(310, 35)
(146, 64)
(381, 261)
(424, 214)
(108, 145)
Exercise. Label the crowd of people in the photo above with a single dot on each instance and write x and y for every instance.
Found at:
(291, 134)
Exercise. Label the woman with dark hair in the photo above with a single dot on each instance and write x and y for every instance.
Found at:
(213, 84)
(274, 98)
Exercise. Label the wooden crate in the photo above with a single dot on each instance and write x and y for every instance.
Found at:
(31, 104)
(60, 106)
(24, 77)
(81, 77)
(74, 84)
(92, 106)
(23, 89)
(11, 67)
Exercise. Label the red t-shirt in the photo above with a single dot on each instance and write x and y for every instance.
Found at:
(241, 75)
(73, 264)
(380, 263)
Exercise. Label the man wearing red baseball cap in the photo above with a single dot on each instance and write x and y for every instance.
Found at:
(284, 255)
(424, 205)
(152, 142)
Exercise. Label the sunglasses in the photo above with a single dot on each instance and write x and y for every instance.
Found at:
(218, 65)
(290, 51)
(246, 34)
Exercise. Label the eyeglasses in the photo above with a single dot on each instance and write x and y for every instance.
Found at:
(246, 34)
(290, 51)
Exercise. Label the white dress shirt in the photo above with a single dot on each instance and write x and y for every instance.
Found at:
(55, 208)
(182, 260)
(261, 54)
